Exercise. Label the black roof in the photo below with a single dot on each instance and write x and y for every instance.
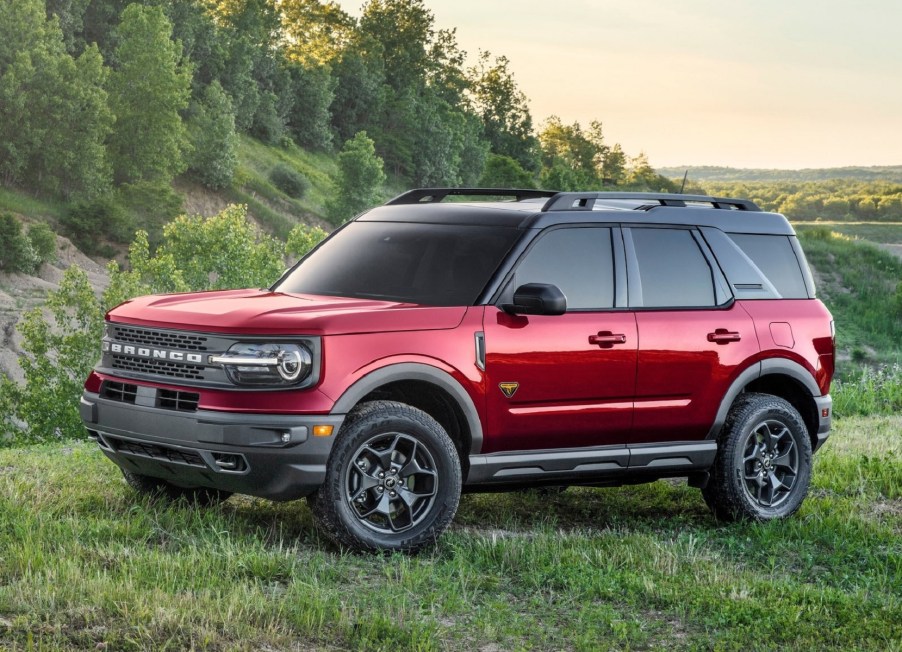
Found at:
(541, 208)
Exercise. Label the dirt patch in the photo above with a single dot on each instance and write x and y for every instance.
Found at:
(895, 249)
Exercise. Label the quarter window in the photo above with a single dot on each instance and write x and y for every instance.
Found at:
(774, 256)
(673, 272)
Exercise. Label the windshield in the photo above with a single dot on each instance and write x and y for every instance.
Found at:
(429, 264)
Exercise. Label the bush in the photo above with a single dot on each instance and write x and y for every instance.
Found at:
(303, 238)
(151, 204)
(290, 181)
(43, 241)
(90, 221)
(16, 251)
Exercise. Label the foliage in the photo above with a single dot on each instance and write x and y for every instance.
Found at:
(303, 239)
(836, 199)
(858, 282)
(871, 391)
(288, 180)
(312, 89)
(43, 241)
(504, 172)
(214, 142)
(359, 177)
(88, 222)
(147, 91)
(53, 108)
(59, 351)
(17, 253)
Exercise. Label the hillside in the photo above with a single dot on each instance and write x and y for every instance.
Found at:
(701, 173)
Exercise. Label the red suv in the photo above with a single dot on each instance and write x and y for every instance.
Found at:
(507, 339)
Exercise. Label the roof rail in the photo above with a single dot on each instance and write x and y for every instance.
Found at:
(585, 201)
(435, 195)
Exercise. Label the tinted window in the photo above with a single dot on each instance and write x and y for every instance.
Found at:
(774, 256)
(673, 272)
(579, 261)
(429, 264)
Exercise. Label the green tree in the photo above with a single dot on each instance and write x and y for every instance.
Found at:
(304, 238)
(53, 109)
(16, 251)
(569, 155)
(504, 172)
(312, 89)
(404, 31)
(360, 175)
(504, 110)
(316, 32)
(214, 142)
(613, 169)
(43, 242)
(147, 92)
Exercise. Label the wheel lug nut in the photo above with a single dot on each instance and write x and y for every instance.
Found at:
(392, 494)
(381, 474)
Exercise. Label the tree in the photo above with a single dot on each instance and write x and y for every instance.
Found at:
(147, 92)
(504, 110)
(359, 178)
(569, 156)
(16, 251)
(53, 109)
(315, 32)
(213, 138)
(613, 169)
(504, 172)
(403, 29)
(312, 89)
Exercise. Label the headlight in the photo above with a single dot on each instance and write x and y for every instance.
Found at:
(266, 364)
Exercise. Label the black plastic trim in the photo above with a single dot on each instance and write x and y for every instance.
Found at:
(436, 195)
(414, 371)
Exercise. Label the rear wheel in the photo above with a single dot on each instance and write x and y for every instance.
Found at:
(158, 488)
(392, 482)
(763, 465)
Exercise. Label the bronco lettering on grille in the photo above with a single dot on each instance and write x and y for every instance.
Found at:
(158, 354)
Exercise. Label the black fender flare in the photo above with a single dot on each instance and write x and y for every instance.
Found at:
(415, 371)
(772, 366)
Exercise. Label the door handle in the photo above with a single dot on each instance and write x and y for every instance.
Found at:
(723, 336)
(607, 339)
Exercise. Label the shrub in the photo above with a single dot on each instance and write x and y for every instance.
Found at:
(16, 252)
(290, 181)
(303, 238)
(89, 221)
(43, 241)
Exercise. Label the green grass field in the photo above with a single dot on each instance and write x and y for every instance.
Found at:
(880, 232)
(86, 564)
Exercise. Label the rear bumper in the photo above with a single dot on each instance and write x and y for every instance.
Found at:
(270, 456)
(824, 407)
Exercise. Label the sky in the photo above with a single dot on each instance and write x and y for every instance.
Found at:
(743, 83)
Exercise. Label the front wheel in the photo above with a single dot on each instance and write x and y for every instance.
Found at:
(392, 482)
(763, 464)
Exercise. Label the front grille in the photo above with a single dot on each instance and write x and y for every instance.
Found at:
(169, 399)
(158, 367)
(167, 339)
(122, 392)
(155, 451)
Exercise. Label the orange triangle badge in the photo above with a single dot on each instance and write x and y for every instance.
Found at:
(509, 389)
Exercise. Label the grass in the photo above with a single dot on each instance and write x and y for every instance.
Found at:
(16, 201)
(862, 287)
(85, 564)
(880, 232)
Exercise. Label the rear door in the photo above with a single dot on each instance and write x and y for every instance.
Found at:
(693, 338)
(566, 380)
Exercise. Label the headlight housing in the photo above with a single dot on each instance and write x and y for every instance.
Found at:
(266, 364)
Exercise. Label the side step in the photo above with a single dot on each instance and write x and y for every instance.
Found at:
(675, 458)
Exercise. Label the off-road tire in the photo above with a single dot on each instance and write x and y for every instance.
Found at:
(384, 437)
(158, 488)
(745, 476)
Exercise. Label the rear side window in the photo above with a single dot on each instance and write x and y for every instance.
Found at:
(673, 272)
(774, 256)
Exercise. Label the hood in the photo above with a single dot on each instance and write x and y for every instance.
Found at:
(252, 312)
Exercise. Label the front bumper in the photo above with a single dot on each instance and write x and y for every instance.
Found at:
(267, 455)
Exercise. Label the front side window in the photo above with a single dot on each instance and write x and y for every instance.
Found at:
(579, 261)
(673, 272)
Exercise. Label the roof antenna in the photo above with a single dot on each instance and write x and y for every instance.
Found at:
(683, 185)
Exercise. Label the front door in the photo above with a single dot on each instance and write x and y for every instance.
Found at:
(567, 380)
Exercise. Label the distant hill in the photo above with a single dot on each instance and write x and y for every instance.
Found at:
(892, 173)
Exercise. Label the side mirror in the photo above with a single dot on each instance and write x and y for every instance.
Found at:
(537, 299)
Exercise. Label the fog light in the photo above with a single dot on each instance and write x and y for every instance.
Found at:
(322, 431)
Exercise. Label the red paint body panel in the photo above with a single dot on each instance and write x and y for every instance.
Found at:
(571, 393)
(253, 312)
(812, 342)
(683, 376)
